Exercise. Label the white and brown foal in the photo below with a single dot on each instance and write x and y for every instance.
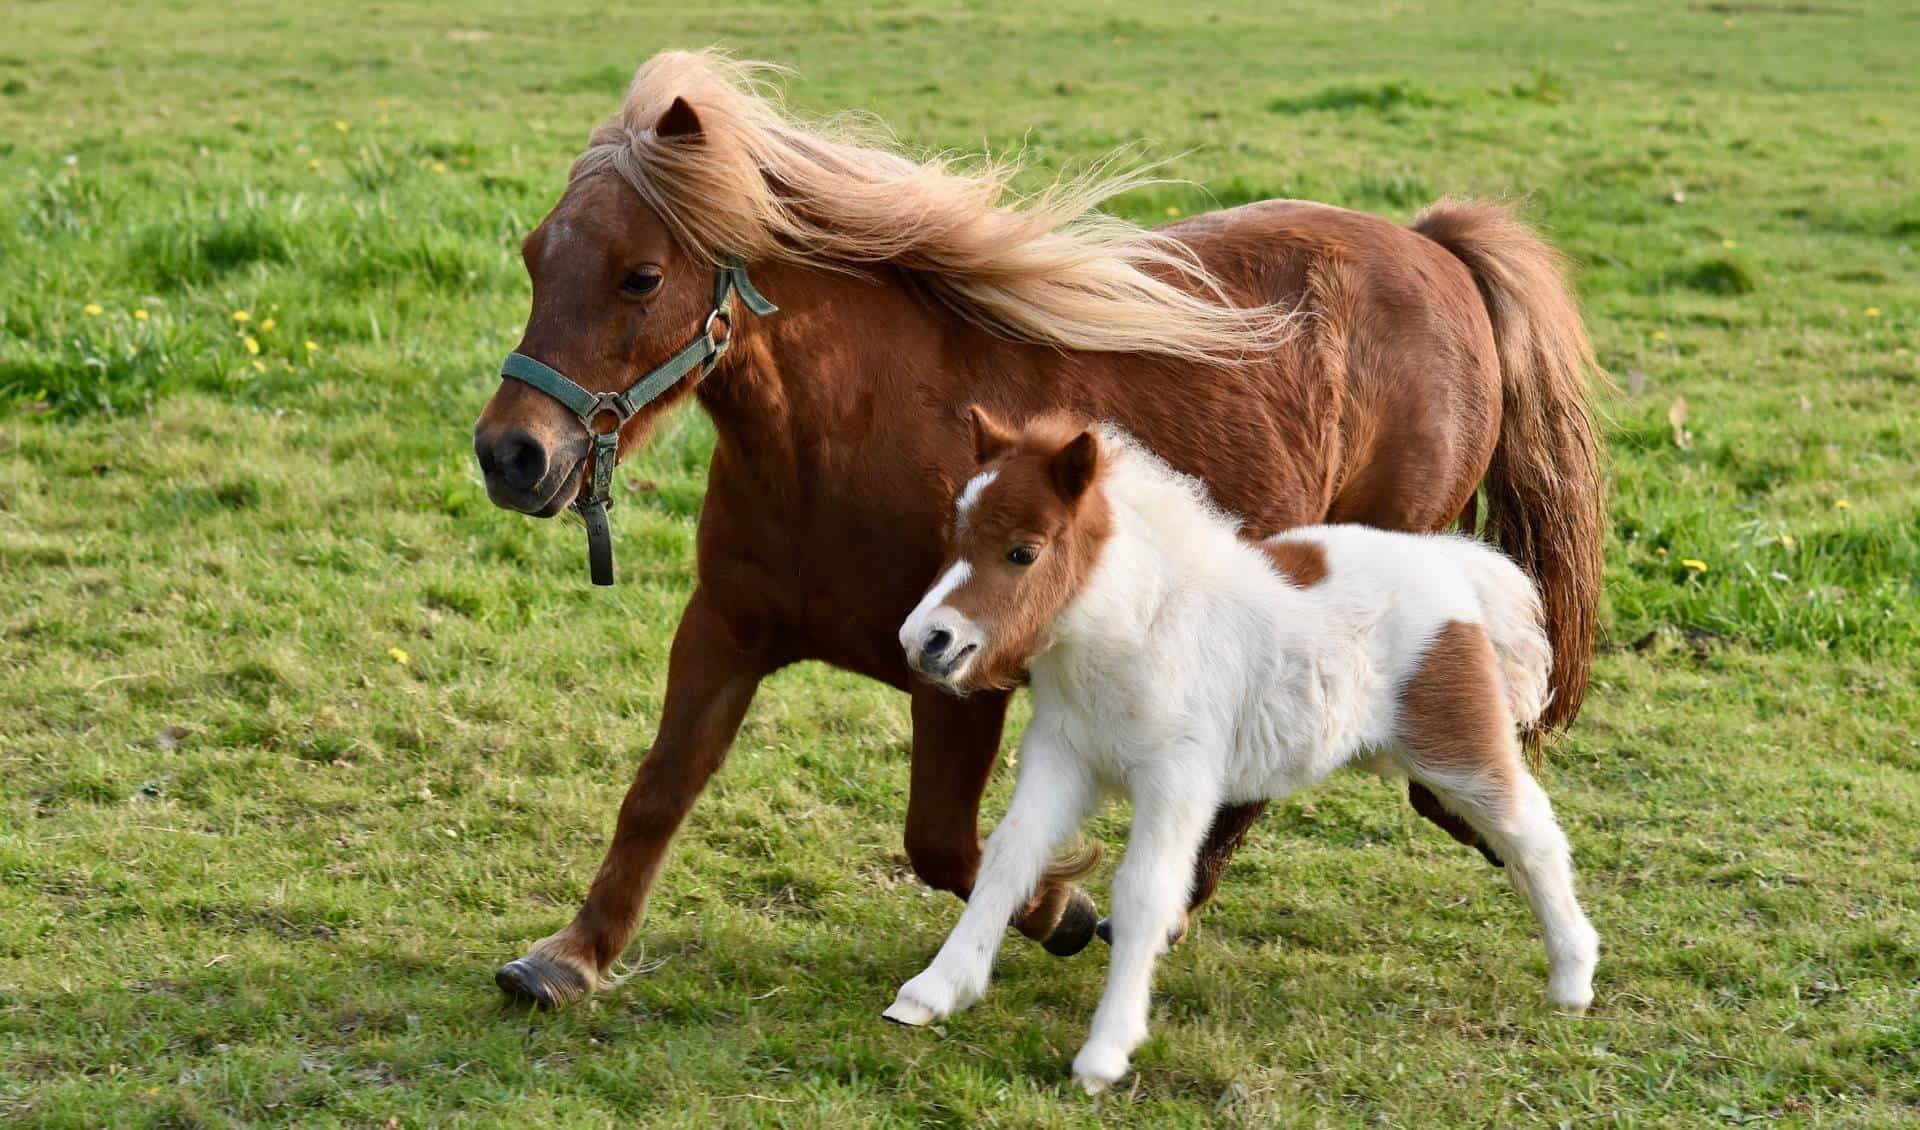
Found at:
(1176, 662)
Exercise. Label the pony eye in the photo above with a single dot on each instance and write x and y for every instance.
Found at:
(1022, 554)
(639, 284)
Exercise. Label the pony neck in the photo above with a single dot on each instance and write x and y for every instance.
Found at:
(1167, 539)
(797, 379)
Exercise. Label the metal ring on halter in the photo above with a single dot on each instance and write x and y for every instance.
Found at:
(718, 345)
(613, 402)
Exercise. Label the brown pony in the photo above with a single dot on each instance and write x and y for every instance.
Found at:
(1307, 363)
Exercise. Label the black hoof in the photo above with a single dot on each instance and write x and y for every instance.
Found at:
(1104, 931)
(544, 984)
(1078, 920)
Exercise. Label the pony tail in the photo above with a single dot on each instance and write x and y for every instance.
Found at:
(1545, 495)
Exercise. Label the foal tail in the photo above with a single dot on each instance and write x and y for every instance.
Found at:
(1545, 499)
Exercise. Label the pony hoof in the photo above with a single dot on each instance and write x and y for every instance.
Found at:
(910, 1013)
(1078, 922)
(1104, 931)
(541, 982)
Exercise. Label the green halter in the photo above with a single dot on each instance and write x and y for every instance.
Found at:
(615, 408)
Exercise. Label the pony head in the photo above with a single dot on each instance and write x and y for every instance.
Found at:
(1027, 530)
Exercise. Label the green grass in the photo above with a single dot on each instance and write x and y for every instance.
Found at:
(255, 870)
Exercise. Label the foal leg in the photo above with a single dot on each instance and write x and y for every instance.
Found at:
(1171, 814)
(1051, 796)
(955, 743)
(711, 677)
(1512, 812)
(1229, 827)
(1461, 744)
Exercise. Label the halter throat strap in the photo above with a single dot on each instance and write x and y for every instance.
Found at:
(605, 414)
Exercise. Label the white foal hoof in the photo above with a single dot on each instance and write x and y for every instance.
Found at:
(922, 1001)
(1573, 1002)
(1099, 1068)
(909, 1012)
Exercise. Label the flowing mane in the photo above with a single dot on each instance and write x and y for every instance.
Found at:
(1050, 269)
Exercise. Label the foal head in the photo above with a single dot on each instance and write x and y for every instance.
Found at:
(1027, 529)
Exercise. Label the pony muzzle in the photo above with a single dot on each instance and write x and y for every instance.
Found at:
(944, 648)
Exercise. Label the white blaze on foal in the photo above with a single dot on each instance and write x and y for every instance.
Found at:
(1174, 661)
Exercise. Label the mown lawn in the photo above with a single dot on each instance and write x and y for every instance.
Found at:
(300, 737)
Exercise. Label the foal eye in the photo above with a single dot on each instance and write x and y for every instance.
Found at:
(1022, 554)
(639, 284)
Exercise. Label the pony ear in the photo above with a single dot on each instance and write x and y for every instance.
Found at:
(680, 120)
(990, 437)
(1073, 467)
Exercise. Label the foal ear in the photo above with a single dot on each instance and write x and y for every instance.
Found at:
(1072, 467)
(680, 120)
(990, 436)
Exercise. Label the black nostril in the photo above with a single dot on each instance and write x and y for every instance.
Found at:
(516, 459)
(937, 641)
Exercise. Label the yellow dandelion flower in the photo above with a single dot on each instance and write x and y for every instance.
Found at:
(242, 316)
(1660, 551)
(1842, 504)
(341, 126)
(1728, 244)
(139, 315)
(1787, 542)
(252, 343)
(439, 167)
(1873, 311)
(399, 656)
(266, 326)
(313, 346)
(259, 367)
(313, 165)
(1694, 563)
(1172, 210)
(1659, 335)
(94, 309)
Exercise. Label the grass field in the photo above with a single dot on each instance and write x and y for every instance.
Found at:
(301, 737)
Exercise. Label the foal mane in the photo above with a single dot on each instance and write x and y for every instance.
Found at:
(1049, 268)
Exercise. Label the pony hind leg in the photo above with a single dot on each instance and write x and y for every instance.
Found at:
(1460, 742)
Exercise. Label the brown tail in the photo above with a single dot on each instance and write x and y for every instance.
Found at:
(1545, 499)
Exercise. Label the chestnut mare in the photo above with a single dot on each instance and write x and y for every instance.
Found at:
(1308, 364)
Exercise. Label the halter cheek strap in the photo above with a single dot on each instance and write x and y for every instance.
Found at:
(604, 414)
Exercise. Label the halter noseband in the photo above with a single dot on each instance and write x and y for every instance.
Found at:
(598, 408)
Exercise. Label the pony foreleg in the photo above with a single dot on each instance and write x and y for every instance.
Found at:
(1051, 796)
(955, 744)
(1170, 818)
(711, 678)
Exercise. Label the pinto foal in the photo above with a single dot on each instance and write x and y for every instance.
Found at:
(1171, 659)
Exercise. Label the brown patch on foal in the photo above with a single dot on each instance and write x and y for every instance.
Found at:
(1303, 563)
(1454, 718)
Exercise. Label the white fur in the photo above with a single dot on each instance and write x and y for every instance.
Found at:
(970, 495)
(1189, 674)
(931, 614)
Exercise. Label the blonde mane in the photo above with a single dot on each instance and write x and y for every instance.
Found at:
(1050, 268)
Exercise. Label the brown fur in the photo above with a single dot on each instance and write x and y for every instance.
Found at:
(1042, 500)
(1302, 563)
(842, 442)
(1453, 714)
